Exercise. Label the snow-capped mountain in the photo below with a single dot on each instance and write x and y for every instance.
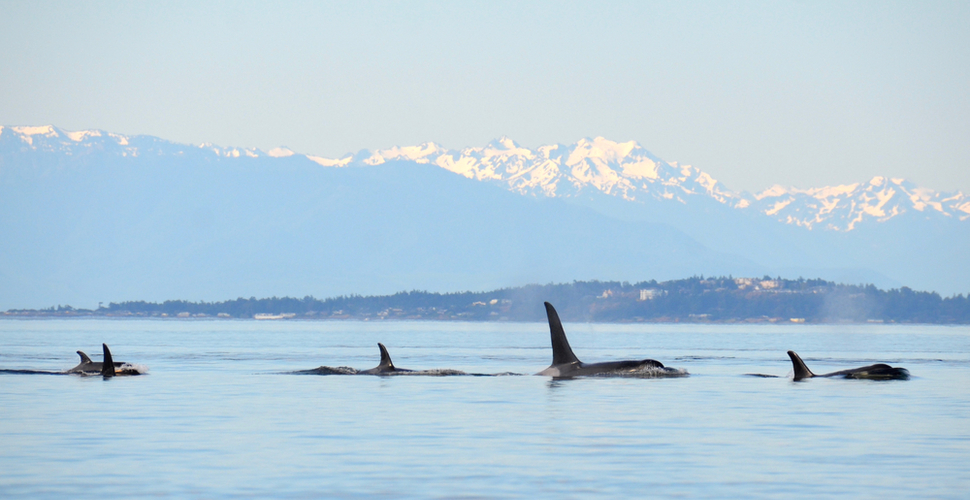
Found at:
(623, 170)
(843, 208)
(51, 139)
(94, 215)
(628, 171)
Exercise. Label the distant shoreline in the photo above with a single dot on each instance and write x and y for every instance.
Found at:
(748, 321)
(696, 300)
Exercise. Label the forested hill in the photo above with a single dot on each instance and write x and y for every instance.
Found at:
(692, 300)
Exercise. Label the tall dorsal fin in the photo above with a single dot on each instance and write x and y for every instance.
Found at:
(801, 369)
(385, 358)
(561, 352)
(107, 364)
(84, 357)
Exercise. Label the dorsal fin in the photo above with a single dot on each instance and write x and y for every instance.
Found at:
(84, 357)
(385, 358)
(801, 369)
(561, 352)
(107, 364)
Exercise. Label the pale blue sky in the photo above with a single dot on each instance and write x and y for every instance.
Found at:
(755, 93)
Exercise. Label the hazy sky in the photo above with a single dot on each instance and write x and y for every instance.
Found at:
(795, 93)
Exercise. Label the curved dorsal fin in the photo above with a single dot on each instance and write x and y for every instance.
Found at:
(84, 357)
(561, 352)
(385, 357)
(107, 364)
(801, 369)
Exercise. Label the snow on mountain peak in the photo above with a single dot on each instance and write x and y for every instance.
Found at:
(51, 138)
(41, 130)
(622, 169)
(503, 143)
(601, 147)
(844, 207)
(280, 152)
(82, 134)
(328, 162)
(417, 154)
(27, 133)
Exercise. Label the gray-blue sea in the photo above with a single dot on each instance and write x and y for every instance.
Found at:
(218, 415)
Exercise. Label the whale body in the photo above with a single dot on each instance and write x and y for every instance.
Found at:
(877, 371)
(565, 364)
(386, 367)
(106, 368)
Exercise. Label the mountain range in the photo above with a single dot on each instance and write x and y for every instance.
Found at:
(627, 171)
(95, 216)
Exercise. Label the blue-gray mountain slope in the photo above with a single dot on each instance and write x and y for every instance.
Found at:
(91, 216)
(96, 226)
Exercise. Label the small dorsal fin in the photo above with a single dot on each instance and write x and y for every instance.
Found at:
(107, 364)
(385, 357)
(84, 357)
(561, 352)
(801, 369)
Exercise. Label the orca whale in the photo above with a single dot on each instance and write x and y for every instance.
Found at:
(565, 364)
(385, 367)
(878, 371)
(106, 368)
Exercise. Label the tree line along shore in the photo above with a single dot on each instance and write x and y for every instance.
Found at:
(696, 299)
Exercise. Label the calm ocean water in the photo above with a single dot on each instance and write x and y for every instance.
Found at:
(217, 416)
